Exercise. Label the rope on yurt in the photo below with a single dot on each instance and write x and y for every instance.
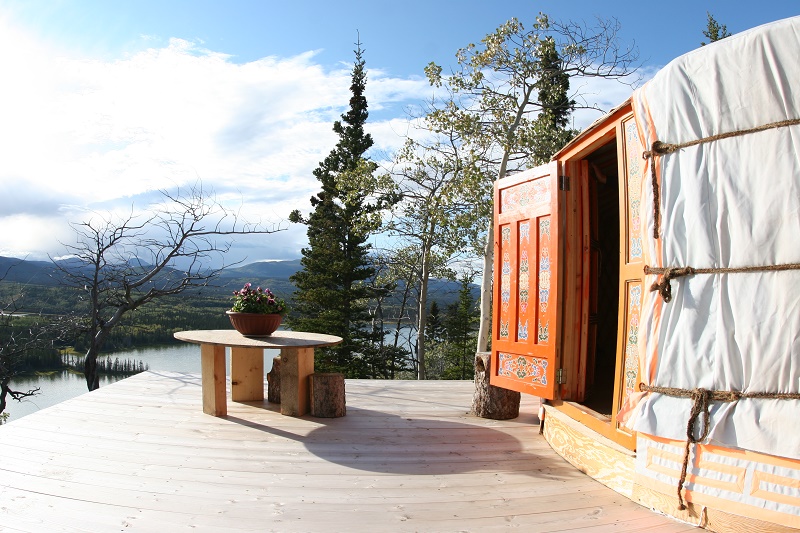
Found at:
(669, 273)
(659, 148)
(701, 398)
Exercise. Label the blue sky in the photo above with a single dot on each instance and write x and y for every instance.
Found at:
(103, 102)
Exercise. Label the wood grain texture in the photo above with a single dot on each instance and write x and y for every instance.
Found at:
(247, 374)
(212, 364)
(274, 381)
(327, 394)
(296, 365)
(705, 517)
(490, 401)
(606, 463)
(140, 455)
(279, 339)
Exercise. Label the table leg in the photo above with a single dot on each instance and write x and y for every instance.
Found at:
(247, 374)
(296, 365)
(212, 368)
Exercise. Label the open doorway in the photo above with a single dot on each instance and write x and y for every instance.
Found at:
(603, 279)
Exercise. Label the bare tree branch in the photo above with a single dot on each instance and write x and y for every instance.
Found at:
(123, 263)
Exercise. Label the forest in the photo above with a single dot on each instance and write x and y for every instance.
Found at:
(49, 307)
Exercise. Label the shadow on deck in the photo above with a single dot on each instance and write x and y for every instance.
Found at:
(140, 455)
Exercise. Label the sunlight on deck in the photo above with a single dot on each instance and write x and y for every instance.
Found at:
(140, 455)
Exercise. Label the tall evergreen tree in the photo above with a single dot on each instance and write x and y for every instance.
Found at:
(332, 289)
(555, 105)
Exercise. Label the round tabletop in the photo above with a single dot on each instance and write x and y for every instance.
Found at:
(279, 339)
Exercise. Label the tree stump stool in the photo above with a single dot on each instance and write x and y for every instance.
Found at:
(274, 381)
(489, 401)
(327, 394)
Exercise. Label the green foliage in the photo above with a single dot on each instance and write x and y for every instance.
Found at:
(108, 366)
(550, 127)
(332, 289)
(509, 93)
(714, 30)
(435, 331)
(452, 337)
(150, 325)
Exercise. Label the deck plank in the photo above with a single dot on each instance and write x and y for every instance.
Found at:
(140, 455)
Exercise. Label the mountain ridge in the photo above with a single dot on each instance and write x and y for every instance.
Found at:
(273, 274)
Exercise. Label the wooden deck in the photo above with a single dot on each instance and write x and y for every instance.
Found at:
(140, 455)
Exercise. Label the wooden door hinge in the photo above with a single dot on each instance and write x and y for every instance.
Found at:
(563, 183)
(560, 377)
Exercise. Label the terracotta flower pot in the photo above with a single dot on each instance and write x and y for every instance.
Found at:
(255, 324)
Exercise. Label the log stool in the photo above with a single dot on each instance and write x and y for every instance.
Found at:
(327, 394)
(489, 401)
(274, 381)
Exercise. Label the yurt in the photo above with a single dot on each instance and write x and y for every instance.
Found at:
(647, 287)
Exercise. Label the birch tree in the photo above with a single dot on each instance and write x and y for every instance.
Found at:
(436, 218)
(497, 94)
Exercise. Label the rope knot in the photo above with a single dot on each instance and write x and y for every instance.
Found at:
(701, 398)
(663, 285)
(661, 148)
(728, 396)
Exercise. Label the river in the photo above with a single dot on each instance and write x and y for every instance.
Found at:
(60, 386)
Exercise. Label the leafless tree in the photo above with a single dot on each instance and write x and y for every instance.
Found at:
(122, 263)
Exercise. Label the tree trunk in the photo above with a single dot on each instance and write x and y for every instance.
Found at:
(486, 292)
(489, 401)
(399, 323)
(422, 318)
(274, 381)
(327, 394)
(90, 369)
(3, 394)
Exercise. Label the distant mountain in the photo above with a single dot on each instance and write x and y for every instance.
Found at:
(272, 274)
(265, 269)
(27, 272)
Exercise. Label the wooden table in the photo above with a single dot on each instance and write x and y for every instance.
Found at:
(247, 366)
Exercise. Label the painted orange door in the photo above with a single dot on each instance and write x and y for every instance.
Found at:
(525, 324)
(631, 267)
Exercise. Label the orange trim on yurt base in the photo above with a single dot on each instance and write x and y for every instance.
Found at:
(749, 479)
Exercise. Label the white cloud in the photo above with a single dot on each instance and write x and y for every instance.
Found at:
(81, 134)
(89, 132)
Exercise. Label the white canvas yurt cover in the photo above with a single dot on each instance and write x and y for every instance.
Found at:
(728, 206)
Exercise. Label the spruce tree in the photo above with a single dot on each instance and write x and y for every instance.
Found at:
(556, 106)
(461, 327)
(714, 30)
(332, 289)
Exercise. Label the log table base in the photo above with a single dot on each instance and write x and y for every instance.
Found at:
(274, 381)
(247, 367)
(327, 395)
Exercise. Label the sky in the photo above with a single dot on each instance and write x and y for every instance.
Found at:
(104, 103)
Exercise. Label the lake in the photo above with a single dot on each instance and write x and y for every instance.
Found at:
(62, 386)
